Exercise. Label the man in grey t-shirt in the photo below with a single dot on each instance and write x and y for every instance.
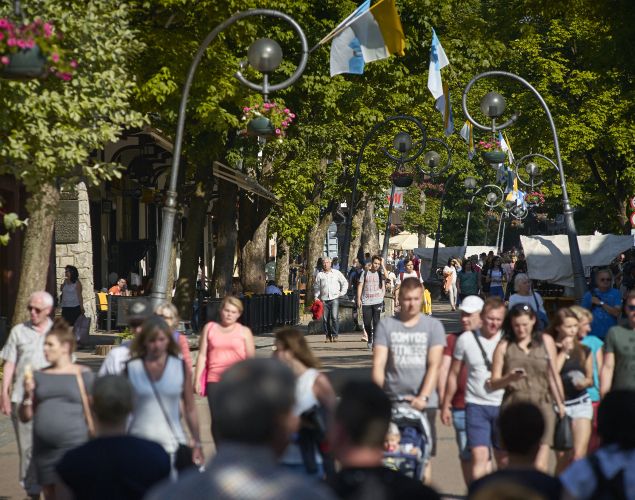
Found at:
(407, 354)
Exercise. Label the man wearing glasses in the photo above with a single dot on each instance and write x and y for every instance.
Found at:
(24, 351)
(604, 302)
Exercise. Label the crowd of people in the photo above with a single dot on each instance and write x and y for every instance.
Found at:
(513, 384)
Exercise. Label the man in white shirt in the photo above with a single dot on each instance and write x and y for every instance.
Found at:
(115, 362)
(24, 351)
(475, 349)
(329, 286)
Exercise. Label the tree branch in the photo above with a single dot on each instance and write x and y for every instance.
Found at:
(596, 173)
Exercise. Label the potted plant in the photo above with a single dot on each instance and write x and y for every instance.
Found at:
(535, 198)
(432, 189)
(267, 119)
(401, 178)
(491, 151)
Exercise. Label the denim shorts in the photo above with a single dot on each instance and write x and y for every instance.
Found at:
(579, 408)
(481, 425)
(458, 421)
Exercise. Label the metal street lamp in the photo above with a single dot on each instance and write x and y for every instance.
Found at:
(402, 143)
(265, 55)
(493, 199)
(510, 210)
(494, 108)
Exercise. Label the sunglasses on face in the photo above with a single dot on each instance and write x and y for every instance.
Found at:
(630, 307)
(33, 308)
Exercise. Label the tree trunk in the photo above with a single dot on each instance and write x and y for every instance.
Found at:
(227, 236)
(370, 235)
(252, 236)
(422, 239)
(36, 254)
(171, 270)
(282, 264)
(356, 240)
(315, 250)
(190, 250)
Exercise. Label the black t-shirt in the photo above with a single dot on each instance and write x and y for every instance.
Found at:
(379, 483)
(539, 482)
(118, 467)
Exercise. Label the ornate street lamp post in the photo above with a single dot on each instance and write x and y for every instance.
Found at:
(493, 198)
(403, 143)
(265, 55)
(493, 106)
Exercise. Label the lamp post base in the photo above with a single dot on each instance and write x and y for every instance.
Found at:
(435, 287)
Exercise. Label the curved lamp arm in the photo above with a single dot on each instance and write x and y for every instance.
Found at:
(159, 289)
(422, 129)
(525, 158)
(493, 188)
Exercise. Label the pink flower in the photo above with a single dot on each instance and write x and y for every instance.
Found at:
(12, 42)
(291, 115)
(73, 63)
(65, 76)
(285, 123)
(30, 44)
(4, 60)
(287, 110)
(278, 131)
(267, 105)
(55, 57)
(4, 23)
(245, 109)
(48, 30)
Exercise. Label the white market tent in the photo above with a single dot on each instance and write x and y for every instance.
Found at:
(549, 259)
(408, 241)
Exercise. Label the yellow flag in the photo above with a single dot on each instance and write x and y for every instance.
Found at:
(387, 17)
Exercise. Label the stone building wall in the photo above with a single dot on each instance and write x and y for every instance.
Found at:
(80, 253)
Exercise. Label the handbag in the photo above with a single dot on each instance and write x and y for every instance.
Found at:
(203, 378)
(563, 433)
(543, 320)
(81, 328)
(183, 454)
(85, 406)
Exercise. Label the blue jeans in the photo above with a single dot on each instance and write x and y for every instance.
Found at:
(458, 421)
(331, 325)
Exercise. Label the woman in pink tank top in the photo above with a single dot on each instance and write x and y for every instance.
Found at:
(222, 344)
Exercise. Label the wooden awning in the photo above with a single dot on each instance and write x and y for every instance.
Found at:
(243, 181)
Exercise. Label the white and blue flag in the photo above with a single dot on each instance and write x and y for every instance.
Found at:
(438, 89)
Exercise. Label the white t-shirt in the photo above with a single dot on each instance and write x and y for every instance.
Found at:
(516, 298)
(115, 362)
(468, 351)
(405, 275)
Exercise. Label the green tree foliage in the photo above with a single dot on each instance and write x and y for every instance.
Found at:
(50, 128)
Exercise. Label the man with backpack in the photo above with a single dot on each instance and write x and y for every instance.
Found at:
(475, 348)
(370, 297)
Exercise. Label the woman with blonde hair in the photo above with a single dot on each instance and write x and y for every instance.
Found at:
(56, 399)
(170, 314)
(574, 363)
(162, 385)
(314, 402)
(597, 352)
(222, 345)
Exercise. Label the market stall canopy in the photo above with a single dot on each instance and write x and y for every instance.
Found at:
(243, 181)
(445, 253)
(408, 241)
(548, 257)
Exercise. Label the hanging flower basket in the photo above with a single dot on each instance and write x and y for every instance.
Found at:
(491, 151)
(402, 179)
(541, 217)
(267, 119)
(535, 198)
(517, 224)
(492, 215)
(432, 189)
(32, 51)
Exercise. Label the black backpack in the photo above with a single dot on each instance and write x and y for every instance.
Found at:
(606, 489)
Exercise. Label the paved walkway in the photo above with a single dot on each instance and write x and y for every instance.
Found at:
(346, 360)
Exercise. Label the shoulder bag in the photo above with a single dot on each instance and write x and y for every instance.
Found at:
(563, 434)
(488, 363)
(85, 405)
(183, 455)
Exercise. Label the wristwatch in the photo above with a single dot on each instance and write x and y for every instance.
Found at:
(425, 398)
(601, 302)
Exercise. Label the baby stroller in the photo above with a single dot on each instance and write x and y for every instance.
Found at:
(413, 452)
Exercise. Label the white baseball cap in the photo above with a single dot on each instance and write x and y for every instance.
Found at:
(471, 304)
